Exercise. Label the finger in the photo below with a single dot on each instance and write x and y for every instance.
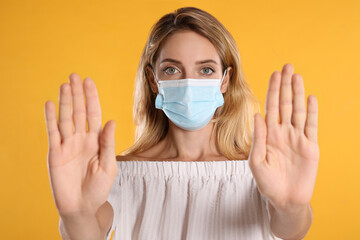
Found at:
(92, 106)
(272, 100)
(258, 147)
(79, 110)
(54, 137)
(299, 111)
(311, 124)
(286, 94)
(107, 146)
(65, 118)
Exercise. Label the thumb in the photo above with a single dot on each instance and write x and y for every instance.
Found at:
(258, 147)
(107, 146)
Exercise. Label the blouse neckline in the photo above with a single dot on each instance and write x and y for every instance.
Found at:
(226, 168)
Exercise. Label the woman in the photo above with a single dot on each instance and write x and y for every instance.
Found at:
(197, 169)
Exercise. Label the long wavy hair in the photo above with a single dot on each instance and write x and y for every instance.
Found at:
(233, 121)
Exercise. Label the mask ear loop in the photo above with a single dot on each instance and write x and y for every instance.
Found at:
(223, 77)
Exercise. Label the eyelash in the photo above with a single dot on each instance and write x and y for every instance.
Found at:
(164, 70)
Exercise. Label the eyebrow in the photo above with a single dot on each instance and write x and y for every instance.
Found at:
(198, 62)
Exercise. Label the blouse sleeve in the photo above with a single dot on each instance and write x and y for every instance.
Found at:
(114, 200)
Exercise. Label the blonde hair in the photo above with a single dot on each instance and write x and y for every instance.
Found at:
(233, 121)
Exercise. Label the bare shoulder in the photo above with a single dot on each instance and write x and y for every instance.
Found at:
(120, 158)
(145, 156)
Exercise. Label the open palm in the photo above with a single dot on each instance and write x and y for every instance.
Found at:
(284, 156)
(81, 163)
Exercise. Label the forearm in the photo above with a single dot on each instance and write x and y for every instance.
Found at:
(79, 228)
(291, 225)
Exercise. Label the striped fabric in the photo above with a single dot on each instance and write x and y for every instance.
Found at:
(161, 200)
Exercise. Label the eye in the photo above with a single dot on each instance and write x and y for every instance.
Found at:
(207, 70)
(172, 70)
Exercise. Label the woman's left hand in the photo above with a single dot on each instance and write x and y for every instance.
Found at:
(284, 155)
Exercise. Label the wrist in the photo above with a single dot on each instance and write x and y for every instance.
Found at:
(80, 226)
(291, 222)
(291, 209)
(287, 207)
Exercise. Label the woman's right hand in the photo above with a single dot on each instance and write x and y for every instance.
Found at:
(81, 162)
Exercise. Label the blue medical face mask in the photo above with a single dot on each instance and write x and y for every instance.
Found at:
(189, 103)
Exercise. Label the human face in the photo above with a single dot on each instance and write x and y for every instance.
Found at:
(187, 54)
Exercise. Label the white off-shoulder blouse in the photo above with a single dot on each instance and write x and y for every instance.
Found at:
(163, 200)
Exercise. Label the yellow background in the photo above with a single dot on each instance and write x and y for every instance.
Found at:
(42, 42)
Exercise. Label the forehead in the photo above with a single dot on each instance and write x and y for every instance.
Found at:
(188, 47)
